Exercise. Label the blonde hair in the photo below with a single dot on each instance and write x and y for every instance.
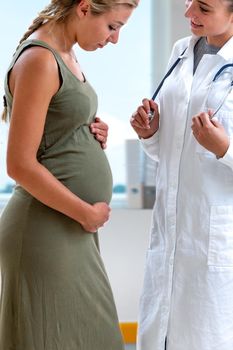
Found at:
(59, 10)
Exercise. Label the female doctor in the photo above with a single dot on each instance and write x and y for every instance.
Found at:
(187, 298)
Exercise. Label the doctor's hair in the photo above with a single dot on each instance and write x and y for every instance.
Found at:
(60, 10)
(230, 5)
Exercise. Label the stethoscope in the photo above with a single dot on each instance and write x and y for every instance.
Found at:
(220, 93)
(169, 72)
(225, 89)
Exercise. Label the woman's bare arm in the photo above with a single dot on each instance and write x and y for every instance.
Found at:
(33, 82)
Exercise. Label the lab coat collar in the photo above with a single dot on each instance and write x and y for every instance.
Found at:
(225, 52)
(227, 49)
(192, 41)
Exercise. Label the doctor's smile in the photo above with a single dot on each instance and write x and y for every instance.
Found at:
(195, 25)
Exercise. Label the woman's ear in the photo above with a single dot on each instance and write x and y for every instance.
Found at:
(82, 8)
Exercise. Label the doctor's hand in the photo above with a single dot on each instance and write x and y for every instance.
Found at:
(140, 119)
(100, 130)
(210, 134)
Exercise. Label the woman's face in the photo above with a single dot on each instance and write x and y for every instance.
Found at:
(211, 18)
(97, 31)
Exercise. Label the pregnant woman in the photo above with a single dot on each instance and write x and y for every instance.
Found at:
(55, 293)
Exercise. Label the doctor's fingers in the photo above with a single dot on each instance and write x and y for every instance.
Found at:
(196, 121)
(146, 104)
(150, 106)
(154, 107)
(136, 121)
(200, 120)
(140, 119)
(196, 126)
(205, 119)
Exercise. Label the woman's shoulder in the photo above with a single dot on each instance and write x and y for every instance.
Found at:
(35, 66)
(36, 58)
(34, 50)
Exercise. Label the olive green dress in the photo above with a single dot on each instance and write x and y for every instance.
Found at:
(55, 291)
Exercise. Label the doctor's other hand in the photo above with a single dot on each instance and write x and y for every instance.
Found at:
(140, 120)
(100, 130)
(210, 134)
(97, 215)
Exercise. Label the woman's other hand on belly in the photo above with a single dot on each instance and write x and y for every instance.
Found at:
(96, 217)
(100, 130)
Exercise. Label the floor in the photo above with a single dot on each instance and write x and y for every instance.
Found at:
(130, 347)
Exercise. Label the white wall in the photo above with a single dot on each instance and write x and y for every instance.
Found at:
(123, 244)
(168, 25)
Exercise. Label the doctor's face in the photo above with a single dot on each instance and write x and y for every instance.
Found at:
(212, 19)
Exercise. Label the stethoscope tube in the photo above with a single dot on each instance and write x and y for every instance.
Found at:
(221, 70)
(151, 113)
(169, 72)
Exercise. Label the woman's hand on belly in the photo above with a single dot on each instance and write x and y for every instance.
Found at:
(96, 217)
(100, 130)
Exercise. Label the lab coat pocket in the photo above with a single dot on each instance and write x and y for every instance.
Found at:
(220, 252)
(203, 152)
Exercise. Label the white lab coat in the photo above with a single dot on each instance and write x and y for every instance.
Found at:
(188, 285)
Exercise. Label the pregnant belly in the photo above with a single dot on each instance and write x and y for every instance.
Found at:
(84, 169)
(92, 180)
